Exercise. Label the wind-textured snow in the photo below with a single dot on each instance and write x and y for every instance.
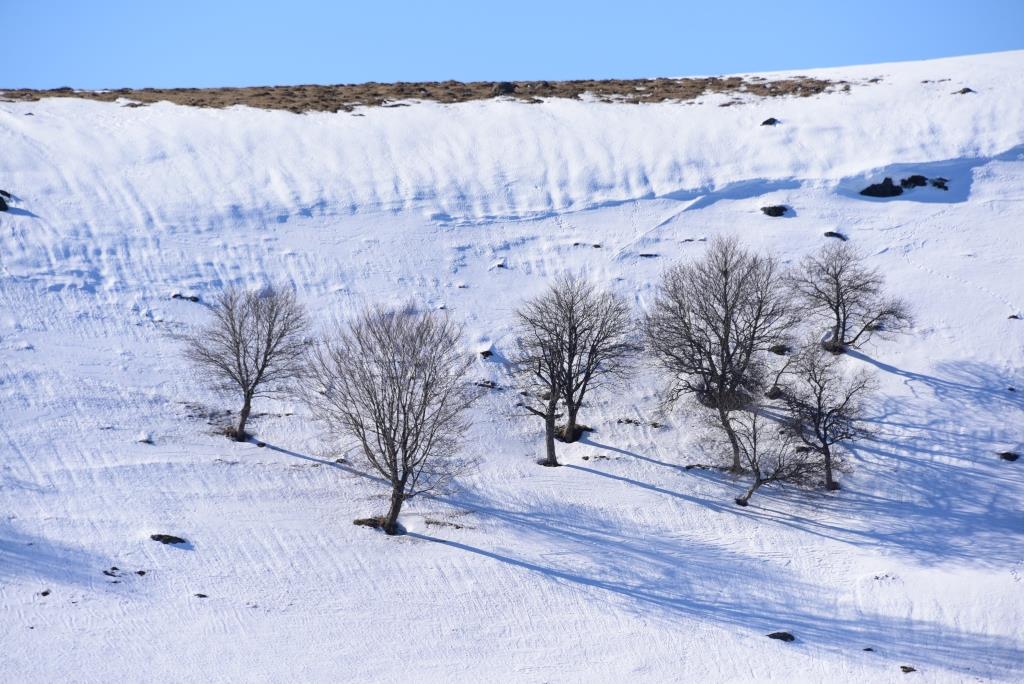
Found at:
(620, 566)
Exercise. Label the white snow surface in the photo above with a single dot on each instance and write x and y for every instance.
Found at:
(620, 566)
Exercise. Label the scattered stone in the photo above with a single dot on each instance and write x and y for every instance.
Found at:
(261, 444)
(780, 349)
(964, 91)
(775, 210)
(655, 424)
(915, 181)
(906, 669)
(648, 255)
(1010, 456)
(782, 636)
(868, 648)
(1011, 389)
(597, 245)
(487, 384)
(628, 421)
(201, 596)
(884, 189)
(771, 121)
(503, 88)
(140, 573)
(940, 183)
(1013, 317)
(486, 353)
(167, 539)
(114, 571)
(44, 592)
(838, 236)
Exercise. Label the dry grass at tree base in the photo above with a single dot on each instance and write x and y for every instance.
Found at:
(332, 98)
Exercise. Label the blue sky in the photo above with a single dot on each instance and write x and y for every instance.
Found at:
(101, 44)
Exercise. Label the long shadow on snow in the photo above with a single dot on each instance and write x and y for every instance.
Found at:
(42, 560)
(693, 579)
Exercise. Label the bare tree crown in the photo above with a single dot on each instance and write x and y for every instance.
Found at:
(395, 383)
(840, 289)
(254, 345)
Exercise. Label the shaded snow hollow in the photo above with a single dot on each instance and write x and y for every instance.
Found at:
(621, 566)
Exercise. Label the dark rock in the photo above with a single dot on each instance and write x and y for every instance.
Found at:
(867, 648)
(1013, 317)
(648, 255)
(964, 91)
(1010, 456)
(915, 181)
(167, 539)
(503, 88)
(884, 189)
(597, 246)
(782, 636)
(201, 596)
(780, 349)
(486, 353)
(1011, 389)
(487, 384)
(193, 298)
(260, 445)
(140, 573)
(775, 210)
(44, 592)
(906, 669)
(838, 236)
(940, 183)
(771, 121)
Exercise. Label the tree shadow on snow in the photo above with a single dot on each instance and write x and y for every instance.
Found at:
(658, 574)
(39, 559)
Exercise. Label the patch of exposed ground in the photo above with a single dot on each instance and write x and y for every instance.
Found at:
(332, 98)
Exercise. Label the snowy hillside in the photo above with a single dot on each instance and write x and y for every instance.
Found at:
(621, 566)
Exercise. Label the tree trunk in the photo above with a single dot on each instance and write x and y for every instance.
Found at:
(734, 442)
(830, 484)
(549, 431)
(742, 500)
(391, 519)
(240, 434)
(569, 435)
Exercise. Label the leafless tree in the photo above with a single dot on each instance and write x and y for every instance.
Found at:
(255, 345)
(395, 383)
(838, 287)
(538, 366)
(712, 324)
(769, 451)
(826, 406)
(594, 339)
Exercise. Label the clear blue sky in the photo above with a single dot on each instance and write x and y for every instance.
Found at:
(160, 43)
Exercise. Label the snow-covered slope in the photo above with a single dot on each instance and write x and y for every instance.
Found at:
(621, 566)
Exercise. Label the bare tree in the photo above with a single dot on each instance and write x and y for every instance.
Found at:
(539, 367)
(771, 454)
(826, 406)
(395, 382)
(254, 345)
(712, 324)
(838, 287)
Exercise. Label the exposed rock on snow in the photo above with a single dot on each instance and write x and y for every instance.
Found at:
(884, 189)
(782, 636)
(167, 539)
